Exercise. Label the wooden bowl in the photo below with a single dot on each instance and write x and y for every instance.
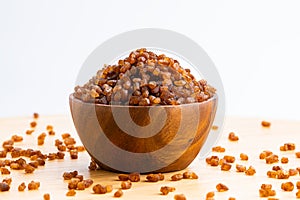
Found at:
(143, 138)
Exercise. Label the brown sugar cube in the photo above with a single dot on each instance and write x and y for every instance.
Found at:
(49, 128)
(41, 139)
(71, 192)
(265, 124)
(46, 196)
(17, 138)
(250, 171)
(298, 194)
(221, 187)
(93, 165)
(58, 142)
(213, 161)
(7, 180)
(214, 127)
(60, 155)
(21, 187)
(34, 157)
(265, 154)
(51, 156)
(33, 185)
(3, 154)
(166, 189)
(70, 175)
(225, 166)
(229, 159)
(2, 164)
(80, 177)
(189, 175)
(4, 170)
(118, 193)
(42, 136)
(80, 148)
(266, 193)
(126, 185)
(51, 132)
(179, 197)
(218, 149)
(208, 159)
(33, 124)
(61, 148)
(176, 177)
(287, 186)
(243, 156)
(161, 176)
(15, 166)
(288, 147)
(80, 185)
(69, 141)
(109, 188)
(272, 192)
(152, 177)
(233, 137)
(266, 190)
(272, 159)
(284, 160)
(221, 161)
(134, 177)
(231, 198)
(272, 174)
(7, 162)
(36, 115)
(293, 172)
(210, 195)
(297, 154)
(88, 183)
(41, 162)
(7, 143)
(73, 154)
(15, 152)
(20, 161)
(123, 177)
(266, 186)
(282, 148)
(73, 183)
(8, 147)
(29, 132)
(65, 135)
(240, 168)
(282, 174)
(155, 177)
(28, 169)
(71, 147)
(276, 168)
(4, 187)
(262, 155)
(298, 185)
(99, 189)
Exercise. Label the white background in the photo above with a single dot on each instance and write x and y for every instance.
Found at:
(255, 46)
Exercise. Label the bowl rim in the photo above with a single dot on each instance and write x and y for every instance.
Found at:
(72, 98)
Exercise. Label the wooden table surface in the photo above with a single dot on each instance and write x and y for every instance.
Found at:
(253, 140)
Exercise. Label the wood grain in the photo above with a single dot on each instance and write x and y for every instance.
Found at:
(253, 140)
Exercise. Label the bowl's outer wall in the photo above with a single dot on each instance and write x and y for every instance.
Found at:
(92, 120)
